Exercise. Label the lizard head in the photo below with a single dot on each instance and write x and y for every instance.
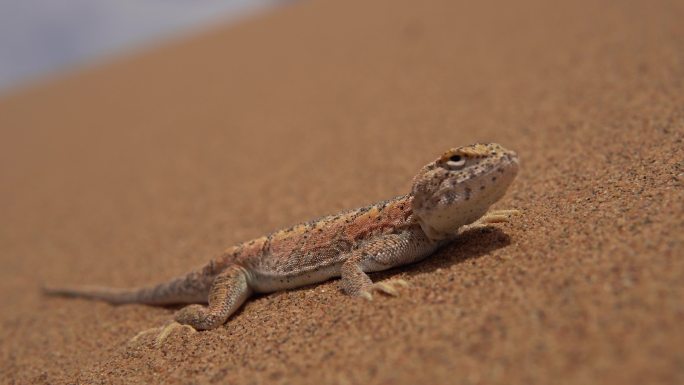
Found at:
(458, 187)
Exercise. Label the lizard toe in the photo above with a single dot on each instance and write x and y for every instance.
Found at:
(162, 333)
(168, 329)
(136, 339)
(499, 216)
(390, 287)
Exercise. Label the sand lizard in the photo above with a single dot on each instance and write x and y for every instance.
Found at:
(448, 195)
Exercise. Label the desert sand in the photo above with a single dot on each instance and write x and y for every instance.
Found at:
(142, 168)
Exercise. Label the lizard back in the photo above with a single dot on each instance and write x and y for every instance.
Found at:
(313, 251)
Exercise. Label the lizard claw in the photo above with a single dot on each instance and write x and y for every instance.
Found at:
(498, 216)
(494, 216)
(389, 287)
(366, 295)
(135, 338)
(168, 329)
(162, 333)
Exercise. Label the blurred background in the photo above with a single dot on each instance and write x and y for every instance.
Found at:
(41, 38)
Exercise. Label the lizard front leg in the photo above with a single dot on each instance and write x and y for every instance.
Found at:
(382, 253)
(228, 292)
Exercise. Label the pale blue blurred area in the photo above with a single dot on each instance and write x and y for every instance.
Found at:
(39, 38)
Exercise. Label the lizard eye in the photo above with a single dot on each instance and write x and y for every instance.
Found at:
(456, 162)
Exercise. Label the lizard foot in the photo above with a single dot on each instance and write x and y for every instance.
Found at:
(168, 329)
(162, 333)
(388, 287)
(495, 216)
(498, 216)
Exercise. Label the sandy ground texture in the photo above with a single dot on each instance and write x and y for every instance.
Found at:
(141, 169)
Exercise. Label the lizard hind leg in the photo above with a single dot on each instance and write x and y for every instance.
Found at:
(228, 292)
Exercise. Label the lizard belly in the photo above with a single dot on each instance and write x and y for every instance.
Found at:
(267, 283)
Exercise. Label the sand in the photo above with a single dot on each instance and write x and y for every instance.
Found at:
(144, 167)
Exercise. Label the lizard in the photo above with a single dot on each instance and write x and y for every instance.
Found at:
(448, 195)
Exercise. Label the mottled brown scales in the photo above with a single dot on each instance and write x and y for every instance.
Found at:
(443, 202)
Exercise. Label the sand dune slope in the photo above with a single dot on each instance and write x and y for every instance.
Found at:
(139, 170)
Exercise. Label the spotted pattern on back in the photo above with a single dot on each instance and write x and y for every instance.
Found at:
(307, 246)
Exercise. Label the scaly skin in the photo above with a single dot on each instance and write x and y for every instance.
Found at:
(449, 195)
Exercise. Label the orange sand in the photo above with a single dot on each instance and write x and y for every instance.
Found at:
(141, 169)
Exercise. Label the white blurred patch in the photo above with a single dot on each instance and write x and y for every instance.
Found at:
(42, 37)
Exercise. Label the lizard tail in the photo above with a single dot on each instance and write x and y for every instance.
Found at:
(186, 289)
